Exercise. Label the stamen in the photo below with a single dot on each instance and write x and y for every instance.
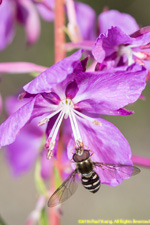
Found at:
(49, 145)
(49, 154)
(76, 126)
(73, 128)
(140, 55)
(46, 119)
(52, 137)
(96, 122)
(139, 61)
(66, 108)
(56, 126)
(43, 121)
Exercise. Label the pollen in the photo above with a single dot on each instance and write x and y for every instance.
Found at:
(97, 122)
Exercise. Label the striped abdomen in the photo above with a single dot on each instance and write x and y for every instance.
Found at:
(92, 183)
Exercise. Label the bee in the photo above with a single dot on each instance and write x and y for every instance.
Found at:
(89, 178)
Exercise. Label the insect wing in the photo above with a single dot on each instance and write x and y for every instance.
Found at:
(124, 171)
(65, 191)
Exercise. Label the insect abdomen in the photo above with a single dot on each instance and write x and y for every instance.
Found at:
(91, 183)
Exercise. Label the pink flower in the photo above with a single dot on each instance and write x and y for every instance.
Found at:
(119, 49)
(65, 92)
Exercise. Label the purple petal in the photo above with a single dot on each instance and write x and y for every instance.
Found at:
(109, 146)
(10, 128)
(20, 67)
(56, 73)
(12, 104)
(142, 39)
(115, 18)
(23, 153)
(28, 16)
(71, 90)
(107, 44)
(147, 66)
(84, 63)
(46, 9)
(110, 90)
(42, 107)
(7, 22)
(85, 13)
(46, 166)
(52, 97)
(90, 107)
(141, 31)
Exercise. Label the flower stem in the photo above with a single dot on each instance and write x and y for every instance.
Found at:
(141, 161)
(59, 23)
(54, 217)
(59, 31)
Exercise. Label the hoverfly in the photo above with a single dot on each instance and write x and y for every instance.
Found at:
(89, 178)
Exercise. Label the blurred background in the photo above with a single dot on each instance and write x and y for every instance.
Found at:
(131, 199)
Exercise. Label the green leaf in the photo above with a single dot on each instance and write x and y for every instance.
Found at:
(44, 217)
(38, 179)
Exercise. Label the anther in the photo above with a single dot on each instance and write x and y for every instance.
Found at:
(42, 122)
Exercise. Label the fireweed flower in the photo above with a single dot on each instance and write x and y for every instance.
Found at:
(121, 49)
(65, 92)
(24, 12)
